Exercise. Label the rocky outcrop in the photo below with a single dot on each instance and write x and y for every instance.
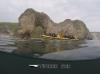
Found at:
(81, 31)
(31, 19)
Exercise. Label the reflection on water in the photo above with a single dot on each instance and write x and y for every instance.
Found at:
(7, 43)
(52, 49)
(90, 50)
(40, 47)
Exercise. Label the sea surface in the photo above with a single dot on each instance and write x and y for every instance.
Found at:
(51, 49)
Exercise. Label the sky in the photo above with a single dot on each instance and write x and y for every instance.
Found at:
(86, 10)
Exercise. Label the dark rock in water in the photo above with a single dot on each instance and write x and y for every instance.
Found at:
(31, 19)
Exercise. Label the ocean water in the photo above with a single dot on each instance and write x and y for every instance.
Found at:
(7, 43)
(90, 50)
(51, 49)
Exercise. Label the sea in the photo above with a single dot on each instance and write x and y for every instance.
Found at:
(51, 49)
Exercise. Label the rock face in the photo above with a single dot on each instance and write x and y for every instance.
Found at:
(31, 19)
(81, 31)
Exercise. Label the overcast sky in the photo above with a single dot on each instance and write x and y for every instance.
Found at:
(85, 10)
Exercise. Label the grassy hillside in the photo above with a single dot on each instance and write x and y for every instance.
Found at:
(8, 26)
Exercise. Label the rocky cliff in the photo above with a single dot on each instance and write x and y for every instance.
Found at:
(32, 23)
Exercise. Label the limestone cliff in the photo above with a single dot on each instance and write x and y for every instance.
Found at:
(30, 20)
